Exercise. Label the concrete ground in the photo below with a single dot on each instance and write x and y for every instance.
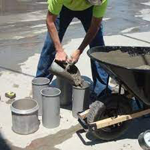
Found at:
(22, 33)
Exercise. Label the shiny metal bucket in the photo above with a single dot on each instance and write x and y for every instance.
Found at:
(25, 116)
(37, 85)
(50, 107)
(80, 98)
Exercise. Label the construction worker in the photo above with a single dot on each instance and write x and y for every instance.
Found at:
(59, 16)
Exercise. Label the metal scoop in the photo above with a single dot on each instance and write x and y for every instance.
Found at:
(68, 71)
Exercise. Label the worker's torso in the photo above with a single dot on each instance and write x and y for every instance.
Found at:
(55, 6)
(76, 5)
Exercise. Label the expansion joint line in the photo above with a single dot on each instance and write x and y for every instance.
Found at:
(135, 38)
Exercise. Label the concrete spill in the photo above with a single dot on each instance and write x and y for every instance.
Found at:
(78, 81)
(46, 143)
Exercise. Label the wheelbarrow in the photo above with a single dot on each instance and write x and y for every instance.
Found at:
(110, 116)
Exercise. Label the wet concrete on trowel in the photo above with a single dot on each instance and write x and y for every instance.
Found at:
(46, 143)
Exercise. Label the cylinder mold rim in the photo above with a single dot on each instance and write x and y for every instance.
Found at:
(87, 85)
(24, 112)
(46, 81)
(50, 95)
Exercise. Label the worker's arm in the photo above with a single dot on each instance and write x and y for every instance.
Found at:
(94, 28)
(50, 21)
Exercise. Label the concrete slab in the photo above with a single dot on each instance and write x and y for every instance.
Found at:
(127, 40)
(21, 39)
(25, 140)
(143, 37)
(21, 84)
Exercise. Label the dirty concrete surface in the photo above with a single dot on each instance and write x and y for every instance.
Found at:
(22, 33)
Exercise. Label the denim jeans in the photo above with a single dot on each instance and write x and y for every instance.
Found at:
(48, 52)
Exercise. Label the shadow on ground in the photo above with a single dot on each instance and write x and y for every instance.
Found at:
(3, 144)
(136, 128)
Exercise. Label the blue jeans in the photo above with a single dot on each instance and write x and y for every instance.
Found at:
(48, 52)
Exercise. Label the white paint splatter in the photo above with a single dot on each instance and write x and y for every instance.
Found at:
(38, 26)
(129, 29)
(145, 14)
(148, 3)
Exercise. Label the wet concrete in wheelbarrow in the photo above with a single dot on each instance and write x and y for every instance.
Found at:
(47, 143)
(124, 59)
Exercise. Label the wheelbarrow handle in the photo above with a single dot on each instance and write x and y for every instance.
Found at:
(82, 122)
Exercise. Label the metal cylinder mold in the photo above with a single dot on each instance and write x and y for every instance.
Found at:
(37, 85)
(80, 98)
(66, 91)
(50, 107)
(25, 116)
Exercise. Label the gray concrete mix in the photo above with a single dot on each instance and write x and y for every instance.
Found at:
(22, 33)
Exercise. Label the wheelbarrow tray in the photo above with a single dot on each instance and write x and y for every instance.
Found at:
(130, 66)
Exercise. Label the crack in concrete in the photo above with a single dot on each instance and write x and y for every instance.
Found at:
(135, 38)
(11, 70)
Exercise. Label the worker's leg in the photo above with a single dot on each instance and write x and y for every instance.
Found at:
(48, 51)
(98, 74)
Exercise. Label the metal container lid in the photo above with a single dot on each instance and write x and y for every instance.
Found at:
(24, 106)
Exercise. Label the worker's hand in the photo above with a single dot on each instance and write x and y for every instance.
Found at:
(61, 56)
(75, 56)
